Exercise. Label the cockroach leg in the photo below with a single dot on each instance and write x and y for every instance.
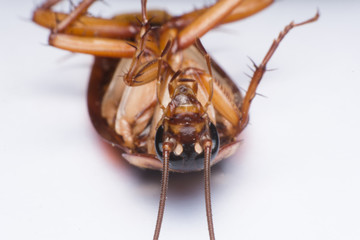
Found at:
(207, 172)
(49, 4)
(167, 148)
(260, 70)
(159, 77)
(207, 20)
(247, 8)
(92, 45)
(158, 86)
(202, 50)
(221, 99)
(244, 9)
(199, 22)
(87, 26)
(67, 18)
(66, 34)
(74, 15)
(124, 26)
(141, 73)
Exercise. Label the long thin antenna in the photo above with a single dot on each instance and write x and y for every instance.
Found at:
(164, 186)
(207, 173)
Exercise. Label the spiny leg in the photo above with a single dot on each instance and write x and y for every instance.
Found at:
(202, 50)
(76, 32)
(195, 24)
(102, 47)
(260, 70)
(74, 15)
(247, 8)
(222, 99)
(87, 26)
(142, 72)
(120, 26)
(49, 4)
(160, 72)
(205, 22)
(244, 9)
(69, 19)
(157, 17)
(164, 185)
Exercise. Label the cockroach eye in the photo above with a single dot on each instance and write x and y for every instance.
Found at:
(189, 159)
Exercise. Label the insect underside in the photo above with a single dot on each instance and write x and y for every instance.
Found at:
(154, 93)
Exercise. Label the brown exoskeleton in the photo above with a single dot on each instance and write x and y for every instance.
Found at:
(154, 93)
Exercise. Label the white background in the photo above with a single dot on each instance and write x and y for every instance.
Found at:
(296, 175)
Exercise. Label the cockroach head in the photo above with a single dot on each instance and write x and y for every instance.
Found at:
(187, 156)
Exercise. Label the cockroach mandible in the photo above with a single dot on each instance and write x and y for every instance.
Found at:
(173, 109)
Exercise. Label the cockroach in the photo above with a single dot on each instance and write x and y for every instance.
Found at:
(154, 92)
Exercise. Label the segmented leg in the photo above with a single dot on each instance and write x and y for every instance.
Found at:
(193, 25)
(201, 21)
(244, 9)
(247, 8)
(49, 4)
(160, 78)
(63, 25)
(157, 17)
(119, 27)
(95, 46)
(143, 69)
(202, 50)
(74, 15)
(260, 70)
(149, 59)
(205, 21)
(221, 99)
